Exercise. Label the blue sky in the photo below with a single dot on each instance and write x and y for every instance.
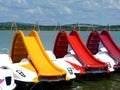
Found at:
(50, 12)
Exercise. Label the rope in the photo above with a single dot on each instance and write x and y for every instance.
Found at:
(13, 28)
(36, 27)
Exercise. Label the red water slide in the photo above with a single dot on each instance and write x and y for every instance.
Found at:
(110, 45)
(106, 39)
(76, 43)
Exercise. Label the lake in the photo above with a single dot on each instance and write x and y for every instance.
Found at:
(86, 83)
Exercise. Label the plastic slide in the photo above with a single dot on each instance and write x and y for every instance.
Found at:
(110, 45)
(31, 47)
(84, 55)
(105, 38)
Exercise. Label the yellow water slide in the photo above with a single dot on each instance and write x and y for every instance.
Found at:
(31, 47)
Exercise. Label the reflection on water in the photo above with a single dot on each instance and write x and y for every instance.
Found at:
(99, 83)
(86, 83)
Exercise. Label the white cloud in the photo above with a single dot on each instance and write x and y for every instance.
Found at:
(91, 4)
(3, 9)
(68, 10)
(112, 4)
(115, 4)
(23, 2)
(32, 10)
(35, 10)
(13, 3)
(65, 11)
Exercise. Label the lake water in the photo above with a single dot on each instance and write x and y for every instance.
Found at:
(89, 82)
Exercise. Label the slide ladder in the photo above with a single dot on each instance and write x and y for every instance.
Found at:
(93, 42)
(61, 45)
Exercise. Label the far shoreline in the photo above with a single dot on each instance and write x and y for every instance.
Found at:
(68, 27)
